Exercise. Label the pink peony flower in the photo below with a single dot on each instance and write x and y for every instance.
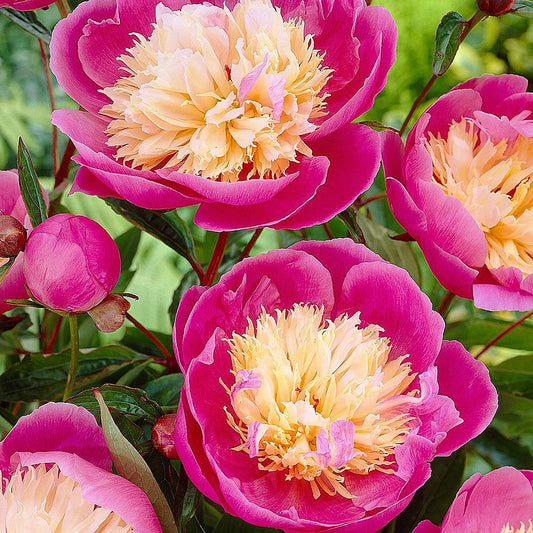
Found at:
(70, 263)
(329, 389)
(500, 501)
(462, 189)
(26, 5)
(56, 470)
(12, 287)
(241, 107)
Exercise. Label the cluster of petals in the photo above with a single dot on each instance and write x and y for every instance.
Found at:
(500, 501)
(26, 5)
(57, 475)
(330, 389)
(244, 108)
(70, 263)
(462, 188)
(11, 203)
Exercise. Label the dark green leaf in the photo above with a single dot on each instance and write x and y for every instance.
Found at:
(24, 303)
(232, 524)
(43, 378)
(124, 280)
(30, 189)
(375, 124)
(187, 281)
(514, 419)
(399, 253)
(138, 341)
(188, 503)
(433, 499)
(128, 243)
(350, 218)
(524, 8)
(514, 376)
(447, 41)
(7, 323)
(27, 21)
(166, 389)
(4, 269)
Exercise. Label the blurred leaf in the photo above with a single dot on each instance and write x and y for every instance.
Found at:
(138, 341)
(28, 21)
(4, 269)
(514, 376)
(43, 378)
(350, 218)
(479, 332)
(30, 189)
(124, 280)
(128, 243)
(232, 524)
(187, 281)
(514, 419)
(130, 465)
(7, 323)
(166, 389)
(447, 41)
(524, 8)
(397, 252)
(433, 499)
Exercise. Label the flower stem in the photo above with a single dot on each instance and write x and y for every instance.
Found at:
(327, 229)
(370, 199)
(251, 244)
(478, 16)
(53, 338)
(63, 8)
(503, 334)
(445, 303)
(74, 356)
(216, 259)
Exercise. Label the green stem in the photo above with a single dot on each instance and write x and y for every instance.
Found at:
(74, 356)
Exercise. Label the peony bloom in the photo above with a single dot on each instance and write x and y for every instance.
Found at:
(26, 5)
(462, 188)
(500, 502)
(330, 389)
(57, 476)
(242, 107)
(70, 263)
(11, 203)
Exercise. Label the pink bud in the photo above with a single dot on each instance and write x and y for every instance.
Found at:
(12, 236)
(495, 7)
(110, 313)
(70, 263)
(163, 436)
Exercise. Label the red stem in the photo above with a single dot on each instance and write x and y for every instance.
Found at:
(370, 199)
(250, 245)
(61, 179)
(50, 345)
(328, 230)
(445, 303)
(216, 259)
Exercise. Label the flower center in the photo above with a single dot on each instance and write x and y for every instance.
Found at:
(219, 93)
(522, 529)
(315, 397)
(493, 181)
(47, 501)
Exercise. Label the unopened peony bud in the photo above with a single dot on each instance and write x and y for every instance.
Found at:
(12, 236)
(70, 263)
(495, 7)
(163, 436)
(110, 313)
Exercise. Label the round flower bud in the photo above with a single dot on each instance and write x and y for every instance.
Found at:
(495, 7)
(12, 236)
(163, 436)
(110, 313)
(70, 263)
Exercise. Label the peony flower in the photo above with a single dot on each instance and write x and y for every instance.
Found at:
(70, 263)
(11, 203)
(462, 188)
(242, 107)
(57, 476)
(329, 389)
(26, 5)
(500, 501)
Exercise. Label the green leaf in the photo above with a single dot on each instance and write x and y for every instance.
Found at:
(7, 323)
(523, 8)
(4, 269)
(232, 524)
(479, 332)
(166, 389)
(138, 341)
(128, 243)
(514, 419)
(447, 41)
(433, 499)
(499, 451)
(378, 239)
(43, 378)
(28, 21)
(168, 227)
(514, 376)
(187, 281)
(30, 189)
(350, 218)
(188, 503)
(24, 303)
(130, 465)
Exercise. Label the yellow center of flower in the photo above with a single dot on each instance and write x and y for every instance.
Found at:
(44, 501)
(226, 94)
(315, 398)
(522, 529)
(493, 182)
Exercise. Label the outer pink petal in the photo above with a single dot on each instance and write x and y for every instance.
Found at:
(57, 427)
(12, 286)
(497, 298)
(102, 488)
(26, 5)
(475, 398)
(426, 527)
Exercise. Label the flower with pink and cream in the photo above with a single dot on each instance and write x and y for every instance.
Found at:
(56, 473)
(330, 389)
(243, 107)
(462, 188)
(500, 502)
